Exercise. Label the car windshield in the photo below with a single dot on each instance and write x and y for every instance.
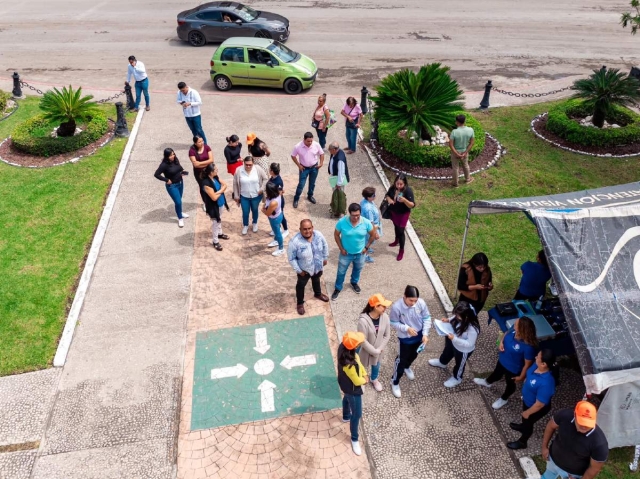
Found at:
(282, 52)
(247, 14)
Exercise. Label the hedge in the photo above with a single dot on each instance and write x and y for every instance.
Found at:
(23, 140)
(432, 155)
(4, 97)
(562, 121)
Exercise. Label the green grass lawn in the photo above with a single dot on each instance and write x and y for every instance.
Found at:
(616, 467)
(531, 167)
(48, 218)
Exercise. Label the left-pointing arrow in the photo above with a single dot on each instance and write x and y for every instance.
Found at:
(238, 370)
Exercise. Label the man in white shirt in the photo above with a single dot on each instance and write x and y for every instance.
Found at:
(190, 101)
(139, 73)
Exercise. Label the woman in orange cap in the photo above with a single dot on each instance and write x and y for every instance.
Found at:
(375, 325)
(259, 151)
(352, 375)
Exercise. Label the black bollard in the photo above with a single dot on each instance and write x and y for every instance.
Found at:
(363, 100)
(635, 72)
(121, 123)
(17, 91)
(131, 104)
(484, 104)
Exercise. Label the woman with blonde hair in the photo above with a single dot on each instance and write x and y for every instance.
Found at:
(320, 119)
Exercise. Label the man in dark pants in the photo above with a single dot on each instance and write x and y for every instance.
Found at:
(308, 156)
(308, 253)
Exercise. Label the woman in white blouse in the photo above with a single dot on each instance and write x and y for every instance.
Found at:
(248, 187)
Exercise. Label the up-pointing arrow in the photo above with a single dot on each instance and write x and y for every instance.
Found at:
(238, 370)
(266, 396)
(262, 345)
(291, 362)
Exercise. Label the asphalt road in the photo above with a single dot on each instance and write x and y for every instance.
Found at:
(519, 45)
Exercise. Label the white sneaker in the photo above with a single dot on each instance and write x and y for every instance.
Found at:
(409, 373)
(498, 403)
(184, 215)
(395, 389)
(355, 445)
(245, 229)
(278, 252)
(272, 244)
(271, 233)
(436, 363)
(377, 385)
(285, 233)
(452, 382)
(181, 223)
(255, 227)
(481, 382)
(204, 207)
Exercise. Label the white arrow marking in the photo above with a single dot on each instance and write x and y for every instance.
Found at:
(238, 370)
(266, 396)
(290, 362)
(262, 345)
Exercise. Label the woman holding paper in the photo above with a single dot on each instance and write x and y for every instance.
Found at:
(460, 342)
(411, 319)
(374, 324)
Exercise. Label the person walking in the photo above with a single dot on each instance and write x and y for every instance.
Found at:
(374, 323)
(537, 391)
(259, 150)
(137, 70)
(190, 101)
(276, 179)
(212, 190)
(273, 210)
(309, 158)
(401, 201)
(461, 141)
(232, 153)
(411, 319)
(459, 345)
(351, 236)
(320, 119)
(353, 115)
(338, 179)
(475, 281)
(371, 212)
(248, 188)
(533, 284)
(579, 449)
(171, 172)
(308, 253)
(517, 351)
(352, 375)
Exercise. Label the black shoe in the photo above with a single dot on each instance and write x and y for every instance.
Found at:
(335, 294)
(311, 199)
(356, 288)
(295, 203)
(515, 426)
(517, 445)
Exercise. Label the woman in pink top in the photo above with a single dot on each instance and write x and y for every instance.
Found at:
(320, 120)
(353, 113)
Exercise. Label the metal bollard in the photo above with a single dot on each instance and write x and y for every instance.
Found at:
(131, 104)
(484, 104)
(363, 100)
(635, 72)
(121, 123)
(17, 91)
(373, 136)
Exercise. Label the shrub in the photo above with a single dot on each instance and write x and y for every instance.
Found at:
(67, 107)
(431, 156)
(561, 122)
(24, 140)
(4, 97)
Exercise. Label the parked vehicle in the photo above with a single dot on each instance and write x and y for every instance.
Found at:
(218, 21)
(261, 62)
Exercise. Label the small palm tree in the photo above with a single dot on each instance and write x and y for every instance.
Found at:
(418, 101)
(605, 89)
(67, 107)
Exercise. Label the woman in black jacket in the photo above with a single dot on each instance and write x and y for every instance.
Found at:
(171, 172)
(232, 153)
(212, 191)
(401, 202)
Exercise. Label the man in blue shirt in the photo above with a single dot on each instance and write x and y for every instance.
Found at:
(351, 236)
(533, 283)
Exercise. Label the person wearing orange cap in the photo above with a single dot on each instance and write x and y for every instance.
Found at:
(259, 151)
(352, 375)
(375, 325)
(579, 449)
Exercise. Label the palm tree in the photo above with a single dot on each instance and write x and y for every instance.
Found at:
(418, 101)
(605, 89)
(66, 107)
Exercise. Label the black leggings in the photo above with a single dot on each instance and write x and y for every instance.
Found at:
(527, 424)
(407, 354)
(497, 374)
(400, 235)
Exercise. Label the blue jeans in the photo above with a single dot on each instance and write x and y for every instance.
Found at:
(142, 86)
(175, 191)
(195, 125)
(275, 227)
(352, 137)
(343, 266)
(553, 471)
(250, 204)
(322, 137)
(352, 410)
(375, 371)
(312, 173)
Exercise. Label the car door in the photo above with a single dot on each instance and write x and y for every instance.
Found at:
(233, 65)
(260, 72)
(236, 27)
(211, 25)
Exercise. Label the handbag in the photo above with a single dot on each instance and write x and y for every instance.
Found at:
(385, 210)
(351, 124)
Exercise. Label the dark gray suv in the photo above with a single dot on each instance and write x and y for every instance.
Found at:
(217, 21)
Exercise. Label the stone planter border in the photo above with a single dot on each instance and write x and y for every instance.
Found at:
(13, 110)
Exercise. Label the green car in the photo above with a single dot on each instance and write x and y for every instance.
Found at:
(261, 62)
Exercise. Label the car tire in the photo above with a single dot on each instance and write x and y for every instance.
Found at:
(222, 83)
(292, 86)
(197, 39)
(263, 34)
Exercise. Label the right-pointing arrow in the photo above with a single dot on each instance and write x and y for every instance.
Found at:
(266, 396)
(238, 370)
(291, 362)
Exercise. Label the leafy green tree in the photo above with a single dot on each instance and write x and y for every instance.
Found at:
(418, 101)
(67, 107)
(604, 89)
(632, 18)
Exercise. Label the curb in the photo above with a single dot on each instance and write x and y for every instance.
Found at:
(529, 468)
(6, 117)
(78, 299)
